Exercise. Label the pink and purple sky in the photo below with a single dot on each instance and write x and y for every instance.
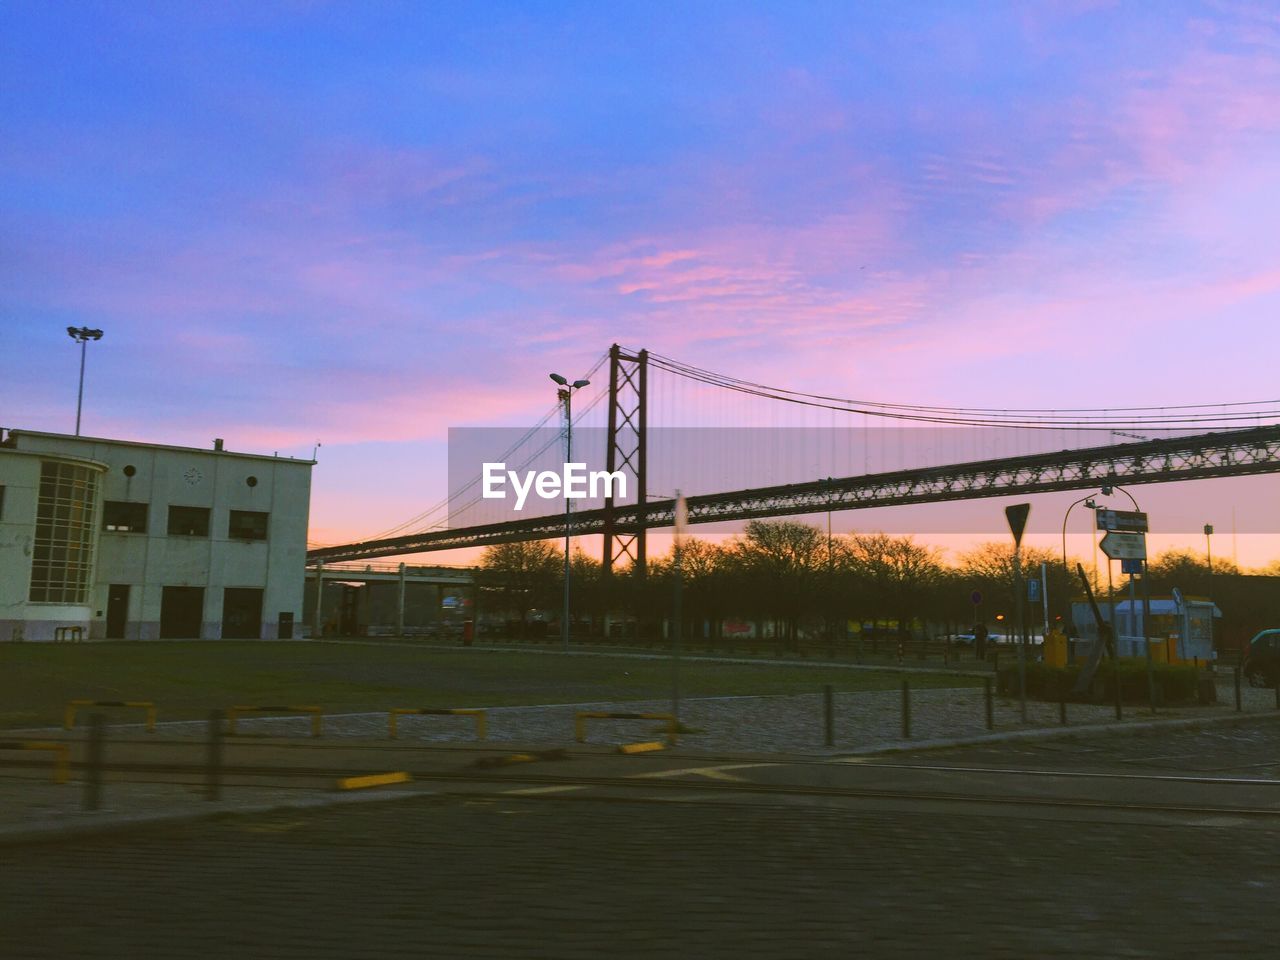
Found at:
(365, 223)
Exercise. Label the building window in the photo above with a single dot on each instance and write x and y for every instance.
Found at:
(247, 525)
(62, 551)
(119, 516)
(188, 521)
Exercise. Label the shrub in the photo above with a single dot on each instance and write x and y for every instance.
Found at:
(1175, 683)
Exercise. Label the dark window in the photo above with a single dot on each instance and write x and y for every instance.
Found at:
(189, 521)
(247, 525)
(124, 517)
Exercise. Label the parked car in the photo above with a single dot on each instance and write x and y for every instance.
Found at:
(1262, 659)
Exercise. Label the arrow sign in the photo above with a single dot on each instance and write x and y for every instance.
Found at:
(1124, 546)
(1017, 517)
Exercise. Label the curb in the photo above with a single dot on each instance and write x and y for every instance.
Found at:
(633, 654)
(117, 824)
(1062, 733)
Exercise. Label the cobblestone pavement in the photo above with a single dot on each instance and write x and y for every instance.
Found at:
(510, 878)
(746, 724)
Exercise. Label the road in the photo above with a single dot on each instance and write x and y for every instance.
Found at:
(700, 870)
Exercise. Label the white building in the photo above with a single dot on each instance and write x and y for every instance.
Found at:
(139, 541)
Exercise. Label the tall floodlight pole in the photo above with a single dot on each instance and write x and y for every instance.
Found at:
(565, 393)
(82, 335)
(1208, 547)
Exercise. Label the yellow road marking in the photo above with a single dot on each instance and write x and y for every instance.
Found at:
(373, 780)
(647, 747)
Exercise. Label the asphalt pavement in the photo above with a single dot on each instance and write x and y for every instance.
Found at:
(1158, 843)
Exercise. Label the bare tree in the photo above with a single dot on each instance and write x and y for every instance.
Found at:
(779, 563)
(519, 577)
(897, 574)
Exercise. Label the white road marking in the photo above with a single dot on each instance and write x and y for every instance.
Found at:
(526, 791)
(712, 773)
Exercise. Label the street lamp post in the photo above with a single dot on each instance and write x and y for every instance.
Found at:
(1208, 547)
(1066, 594)
(82, 335)
(565, 394)
(1146, 604)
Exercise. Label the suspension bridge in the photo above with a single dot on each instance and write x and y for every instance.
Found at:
(1192, 442)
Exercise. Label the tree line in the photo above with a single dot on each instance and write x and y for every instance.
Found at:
(800, 582)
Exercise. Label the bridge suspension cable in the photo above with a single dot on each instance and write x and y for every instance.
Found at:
(1169, 417)
(423, 521)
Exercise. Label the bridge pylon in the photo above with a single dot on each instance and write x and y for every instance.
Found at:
(626, 451)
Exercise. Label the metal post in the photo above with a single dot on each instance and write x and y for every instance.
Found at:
(986, 694)
(1236, 676)
(675, 632)
(566, 393)
(1022, 639)
(829, 714)
(1062, 711)
(213, 758)
(93, 762)
(400, 603)
(80, 395)
(611, 465)
(1115, 682)
(317, 627)
(1111, 609)
(831, 633)
(906, 710)
(1146, 631)
(642, 468)
(1044, 597)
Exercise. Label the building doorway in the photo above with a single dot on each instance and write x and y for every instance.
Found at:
(349, 612)
(117, 610)
(181, 613)
(241, 613)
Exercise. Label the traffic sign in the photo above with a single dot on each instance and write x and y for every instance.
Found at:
(1017, 517)
(1033, 590)
(976, 597)
(1131, 567)
(1124, 546)
(1177, 599)
(1122, 521)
